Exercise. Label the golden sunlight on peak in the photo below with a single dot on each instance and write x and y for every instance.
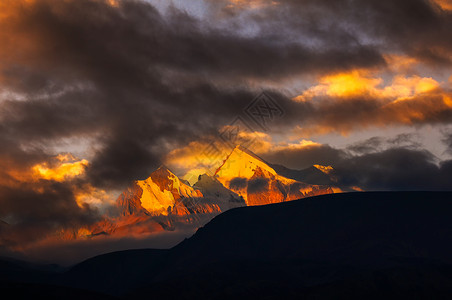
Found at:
(62, 171)
(206, 156)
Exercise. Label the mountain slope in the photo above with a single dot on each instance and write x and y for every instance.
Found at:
(319, 227)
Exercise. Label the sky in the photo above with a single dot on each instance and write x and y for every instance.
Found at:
(97, 93)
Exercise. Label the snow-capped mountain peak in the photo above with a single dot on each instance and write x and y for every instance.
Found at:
(252, 178)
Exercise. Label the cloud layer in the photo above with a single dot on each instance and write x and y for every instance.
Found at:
(124, 83)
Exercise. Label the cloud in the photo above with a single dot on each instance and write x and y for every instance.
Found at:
(40, 195)
(35, 210)
(169, 84)
(344, 115)
(304, 157)
(68, 168)
(375, 164)
(257, 185)
(378, 144)
(447, 140)
(137, 83)
(418, 28)
(362, 84)
(238, 183)
(395, 169)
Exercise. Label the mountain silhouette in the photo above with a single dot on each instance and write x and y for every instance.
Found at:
(340, 246)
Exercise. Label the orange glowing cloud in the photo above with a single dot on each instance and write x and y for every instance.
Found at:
(67, 168)
(434, 106)
(341, 85)
(403, 87)
(62, 168)
(361, 84)
(362, 98)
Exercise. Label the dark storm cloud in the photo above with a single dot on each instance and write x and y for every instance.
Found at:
(370, 145)
(393, 168)
(139, 82)
(36, 209)
(419, 28)
(378, 144)
(305, 157)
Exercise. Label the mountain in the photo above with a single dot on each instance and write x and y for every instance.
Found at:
(252, 178)
(344, 246)
(163, 193)
(164, 202)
